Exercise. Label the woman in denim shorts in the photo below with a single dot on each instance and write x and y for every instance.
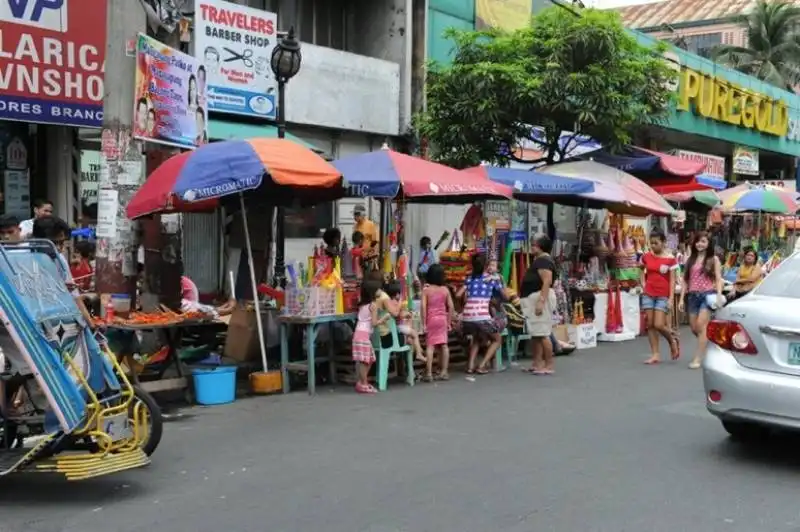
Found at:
(702, 278)
(658, 279)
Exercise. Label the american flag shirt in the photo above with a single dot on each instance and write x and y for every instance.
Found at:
(479, 292)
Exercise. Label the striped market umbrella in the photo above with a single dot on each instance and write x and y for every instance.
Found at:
(760, 199)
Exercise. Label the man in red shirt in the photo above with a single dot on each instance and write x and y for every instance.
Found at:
(658, 278)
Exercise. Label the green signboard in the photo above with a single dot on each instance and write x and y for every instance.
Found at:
(721, 103)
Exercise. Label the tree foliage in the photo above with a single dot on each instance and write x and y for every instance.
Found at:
(583, 74)
(772, 53)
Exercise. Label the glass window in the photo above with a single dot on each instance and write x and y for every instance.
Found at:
(266, 5)
(322, 24)
(308, 222)
(784, 281)
(338, 24)
(306, 14)
(702, 45)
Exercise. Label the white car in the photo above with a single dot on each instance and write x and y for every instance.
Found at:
(751, 371)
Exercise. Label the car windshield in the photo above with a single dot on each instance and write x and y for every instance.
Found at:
(783, 281)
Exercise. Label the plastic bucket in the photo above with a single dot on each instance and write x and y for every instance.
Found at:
(215, 386)
(121, 304)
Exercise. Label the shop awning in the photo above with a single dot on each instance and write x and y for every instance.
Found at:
(224, 130)
(637, 160)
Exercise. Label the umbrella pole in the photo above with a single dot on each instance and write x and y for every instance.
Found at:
(259, 325)
(581, 214)
(383, 228)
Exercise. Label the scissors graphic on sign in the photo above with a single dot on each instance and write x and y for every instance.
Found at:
(244, 57)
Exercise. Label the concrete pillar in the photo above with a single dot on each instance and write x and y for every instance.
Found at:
(116, 253)
(162, 235)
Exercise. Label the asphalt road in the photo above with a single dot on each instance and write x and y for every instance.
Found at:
(607, 444)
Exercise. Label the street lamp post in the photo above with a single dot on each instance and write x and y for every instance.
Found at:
(285, 64)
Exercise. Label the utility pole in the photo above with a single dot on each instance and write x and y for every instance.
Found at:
(124, 170)
(121, 162)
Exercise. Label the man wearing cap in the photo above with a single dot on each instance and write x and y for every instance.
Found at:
(366, 227)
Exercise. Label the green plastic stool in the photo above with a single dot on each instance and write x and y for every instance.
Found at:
(385, 353)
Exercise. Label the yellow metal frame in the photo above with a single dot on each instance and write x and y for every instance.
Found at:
(99, 413)
(112, 456)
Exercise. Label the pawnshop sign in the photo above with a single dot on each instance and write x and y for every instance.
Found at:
(52, 60)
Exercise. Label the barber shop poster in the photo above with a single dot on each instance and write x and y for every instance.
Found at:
(170, 98)
(235, 44)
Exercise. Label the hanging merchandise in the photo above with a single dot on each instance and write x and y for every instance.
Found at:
(600, 247)
(457, 261)
(473, 227)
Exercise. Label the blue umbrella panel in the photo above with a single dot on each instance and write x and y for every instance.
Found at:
(533, 183)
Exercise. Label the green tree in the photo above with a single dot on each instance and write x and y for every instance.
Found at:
(772, 53)
(584, 74)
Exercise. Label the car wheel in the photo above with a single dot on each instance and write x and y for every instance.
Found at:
(743, 431)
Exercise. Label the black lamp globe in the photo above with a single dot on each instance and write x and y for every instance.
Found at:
(286, 58)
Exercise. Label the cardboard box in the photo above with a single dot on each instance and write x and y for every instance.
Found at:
(241, 342)
(561, 332)
(583, 336)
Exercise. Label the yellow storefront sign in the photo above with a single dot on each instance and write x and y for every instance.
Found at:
(717, 99)
(506, 15)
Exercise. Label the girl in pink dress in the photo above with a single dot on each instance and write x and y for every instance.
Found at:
(437, 312)
(363, 352)
(403, 319)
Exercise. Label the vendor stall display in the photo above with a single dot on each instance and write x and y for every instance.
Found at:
(277, 169)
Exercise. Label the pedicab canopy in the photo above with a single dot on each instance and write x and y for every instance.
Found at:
(280, 169)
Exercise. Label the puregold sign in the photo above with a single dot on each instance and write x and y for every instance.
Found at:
(717, 99)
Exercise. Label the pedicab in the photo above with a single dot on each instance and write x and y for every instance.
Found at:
(66, 406)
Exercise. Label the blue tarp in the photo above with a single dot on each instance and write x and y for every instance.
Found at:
(712, 182)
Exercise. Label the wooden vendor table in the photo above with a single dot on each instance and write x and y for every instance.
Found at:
(311, 326)
(173, 334)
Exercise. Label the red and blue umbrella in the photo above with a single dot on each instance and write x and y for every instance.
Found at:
(389, 174)
(196, 180)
